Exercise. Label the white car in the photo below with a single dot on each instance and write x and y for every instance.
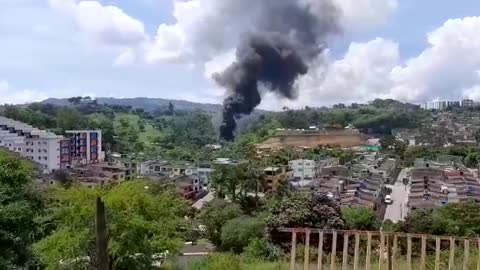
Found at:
(388, 199)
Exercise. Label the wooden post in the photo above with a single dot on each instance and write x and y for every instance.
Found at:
(437, 253)
(389, 252)
(424, 252)
(306, 262)
(382, 251)
(293, 250)
(333, 265)
(409, 252)
(101, 236)
(478, 259)
(320, 251)
(345, 251)
(465, 253)
(451, 258)
(357, 247)
(395, 251)
(369, 250)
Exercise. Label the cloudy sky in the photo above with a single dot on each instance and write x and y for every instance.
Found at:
(410, 50)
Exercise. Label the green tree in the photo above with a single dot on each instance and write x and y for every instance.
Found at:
(20, 205)
(310, 210)
(140, 227)
(70, 119)
(214, 215)
(237, 233)
(360, 218)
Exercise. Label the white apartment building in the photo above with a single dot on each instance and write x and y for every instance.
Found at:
(303, 168)
(45, 150)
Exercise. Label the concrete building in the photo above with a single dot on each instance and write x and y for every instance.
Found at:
(303, 168)
(85, 147)
(467, 103)
(50, 151)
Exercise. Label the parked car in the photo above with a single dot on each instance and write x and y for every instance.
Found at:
(388, 199)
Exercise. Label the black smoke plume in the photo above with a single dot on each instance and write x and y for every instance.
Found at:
(289, 34)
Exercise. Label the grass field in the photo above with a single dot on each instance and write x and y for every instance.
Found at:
(147, 136)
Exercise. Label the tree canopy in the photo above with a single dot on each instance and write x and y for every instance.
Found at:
(140, 224)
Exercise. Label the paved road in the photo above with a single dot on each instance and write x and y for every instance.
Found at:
(398, 209)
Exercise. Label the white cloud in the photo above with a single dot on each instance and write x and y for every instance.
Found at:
(10, 95)
(104, 24)
(447, 69)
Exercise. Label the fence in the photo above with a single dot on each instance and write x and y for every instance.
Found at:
(386, 249)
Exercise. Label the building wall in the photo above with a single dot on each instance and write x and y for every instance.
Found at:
(303, 168)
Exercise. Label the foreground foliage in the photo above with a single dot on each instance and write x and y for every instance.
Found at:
(140, 224)
(20, 206)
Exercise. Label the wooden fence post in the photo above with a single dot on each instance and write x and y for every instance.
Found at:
(395, 251)
(101, 236)
(369, 250)
(466, 254)
(424, 252)
(294, 250)
(382, 251)
(306, 262)
(437, 253)
(451, 258)
(357, 247)
(389, 252)
(320, 251)
(345, 251)
(478, 258)
(333, 264)
(409, 252)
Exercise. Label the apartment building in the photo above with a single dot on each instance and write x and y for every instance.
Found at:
(85, 147)
(50, 151)
(303, 168)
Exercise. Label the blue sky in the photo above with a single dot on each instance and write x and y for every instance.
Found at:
(62, 48)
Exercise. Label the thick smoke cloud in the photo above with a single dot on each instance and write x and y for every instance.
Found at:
(287, 34)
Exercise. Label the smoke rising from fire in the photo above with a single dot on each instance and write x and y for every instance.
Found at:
(288, 35)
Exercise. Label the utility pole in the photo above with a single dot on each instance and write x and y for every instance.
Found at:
(101, 236)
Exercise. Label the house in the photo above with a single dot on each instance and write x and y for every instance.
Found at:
(101, 173)
(274, 177)
(303, 168)
(189, 187)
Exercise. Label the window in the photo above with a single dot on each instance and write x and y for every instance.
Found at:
(45, 150)
(39, 143)
(39, 150)
(19, 149)
(44, 143)
(51, 182)
(45, 158)
(39, 158)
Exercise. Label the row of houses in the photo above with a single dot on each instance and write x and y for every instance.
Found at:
(51, 151)
(359, 183)
(438, 182)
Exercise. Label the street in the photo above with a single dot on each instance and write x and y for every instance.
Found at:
(398, 209)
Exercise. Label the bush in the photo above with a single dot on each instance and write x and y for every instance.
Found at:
(360, 218)
(219, 261)
(260, 249)
(237, 233)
